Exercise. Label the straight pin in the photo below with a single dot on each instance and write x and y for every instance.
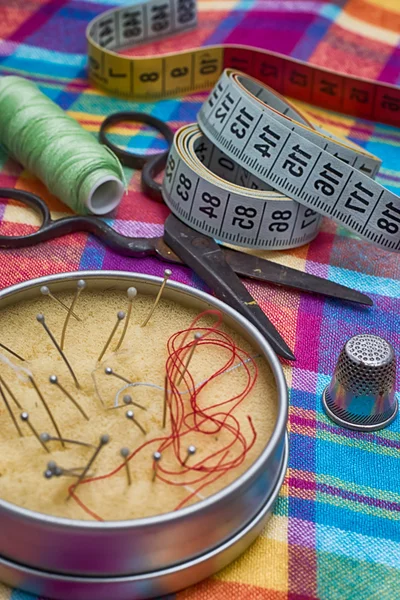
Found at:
(191, 451)
(54, 380)
(40, 318)
(165, 402)
(12, 352)
(130, 415)
(109, 371)
(132, 293)
(46, 437)
(103, 441)
(120, 317)
(167, 275)
(44, 290)
(80, 286)
(125, 454)
(10, 393)
(156, 460)
(39, 393)
(54, 470)
(197, 338)
(10, 412)
(25, 418)
(127, 400)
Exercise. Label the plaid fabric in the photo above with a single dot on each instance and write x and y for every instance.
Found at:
(335, 531)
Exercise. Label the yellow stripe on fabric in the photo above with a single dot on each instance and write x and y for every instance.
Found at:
(5, 592)
(360, 444)
(276, 529)
(359, 507)
(372, 32)
(363, 490)
(265, 564)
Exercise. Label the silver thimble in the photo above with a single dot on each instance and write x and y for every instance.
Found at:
(361, 394)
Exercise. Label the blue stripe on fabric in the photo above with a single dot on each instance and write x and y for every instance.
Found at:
(40, 67)
(358, 466)
(29, 52)
(312, 37)
(358, 547)
(356, 521)
(20, 595)
(367, 283)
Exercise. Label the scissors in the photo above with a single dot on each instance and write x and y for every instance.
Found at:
(218, 266)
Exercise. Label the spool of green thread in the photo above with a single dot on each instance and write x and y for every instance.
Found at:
(36, 132)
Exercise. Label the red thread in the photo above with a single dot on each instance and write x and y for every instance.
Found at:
(188, 416)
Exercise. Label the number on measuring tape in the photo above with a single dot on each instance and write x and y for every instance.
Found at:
(280, 220)
(210, 203)
(132, 25)
(241, 124)
(183, 187)
(244, 217)
(106, 32)
(146, 77)
(186, 11)
(160, 18)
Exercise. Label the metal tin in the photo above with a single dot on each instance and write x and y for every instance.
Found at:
(154, 544)
(148, 585)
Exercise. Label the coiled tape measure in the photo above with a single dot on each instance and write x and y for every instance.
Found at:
(255, 172)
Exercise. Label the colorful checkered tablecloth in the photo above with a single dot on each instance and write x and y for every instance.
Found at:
(335, 532)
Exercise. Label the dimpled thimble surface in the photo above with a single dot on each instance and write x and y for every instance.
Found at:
(361, 394)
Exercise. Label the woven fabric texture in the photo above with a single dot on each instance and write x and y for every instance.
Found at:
(335, 532)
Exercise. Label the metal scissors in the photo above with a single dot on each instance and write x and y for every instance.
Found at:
(218, 266)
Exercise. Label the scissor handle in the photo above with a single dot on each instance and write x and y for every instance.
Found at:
(49, 229)
(128, 158)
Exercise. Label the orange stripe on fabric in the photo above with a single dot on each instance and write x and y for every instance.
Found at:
(221, 590)
(375, 14)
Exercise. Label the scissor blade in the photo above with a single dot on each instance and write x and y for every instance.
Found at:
(255, 267)
(207, 259)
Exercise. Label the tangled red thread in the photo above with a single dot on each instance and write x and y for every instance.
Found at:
(188, 417)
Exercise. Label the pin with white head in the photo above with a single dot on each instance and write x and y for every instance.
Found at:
(131, 293)
(156, 459)
(80, 286)
(125, 455)
(127, 401)
(110, 371)
(25, 418)
(41, 319)
(104, 440)
(131, 416)
(7, 349)
(45, 291)
(191, 451)
(10, 412)
(54, 380)
(120, 317)
(197, 338)
(46, 407)
(167, 275)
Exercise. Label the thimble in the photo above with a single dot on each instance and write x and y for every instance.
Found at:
(361, 394)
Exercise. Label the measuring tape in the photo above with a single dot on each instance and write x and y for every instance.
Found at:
(256, 173)
(220, 176)
(188, 71)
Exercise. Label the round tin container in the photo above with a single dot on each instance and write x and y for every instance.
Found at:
(144, 557)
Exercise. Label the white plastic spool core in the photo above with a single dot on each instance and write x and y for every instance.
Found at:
(105, 195)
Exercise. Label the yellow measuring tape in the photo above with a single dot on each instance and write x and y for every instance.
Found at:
(182, 72)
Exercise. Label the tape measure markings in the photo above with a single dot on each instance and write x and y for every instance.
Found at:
(292, 163)
(235, 214)
(187, 71)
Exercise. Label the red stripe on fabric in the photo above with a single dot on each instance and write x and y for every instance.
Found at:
(37, 20)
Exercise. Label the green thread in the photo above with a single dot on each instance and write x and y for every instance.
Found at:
(54, 147)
